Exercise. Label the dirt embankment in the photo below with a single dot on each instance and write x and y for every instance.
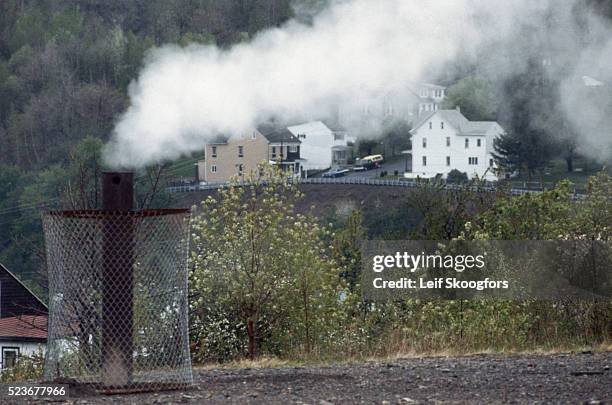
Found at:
(325, 197)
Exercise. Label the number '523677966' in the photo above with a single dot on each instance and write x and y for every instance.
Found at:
(40, 390)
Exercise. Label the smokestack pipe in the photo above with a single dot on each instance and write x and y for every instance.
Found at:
(117, 279)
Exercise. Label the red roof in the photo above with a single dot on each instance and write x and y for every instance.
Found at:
(28, 326)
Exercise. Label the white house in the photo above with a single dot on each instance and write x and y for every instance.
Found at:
(321, 147)
(24, 335)
(444, 140)
(405, 102)
(23, 320)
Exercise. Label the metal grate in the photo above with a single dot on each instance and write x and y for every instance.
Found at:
(118, 299)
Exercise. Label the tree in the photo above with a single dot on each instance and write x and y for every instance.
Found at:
(443, 213)
(346, 248)
(366, 146)
(475, 97)
(528, 115)
(397, 136)
(253, 255)
(456, 177)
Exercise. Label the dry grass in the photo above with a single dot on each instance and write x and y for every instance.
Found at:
(271, 362)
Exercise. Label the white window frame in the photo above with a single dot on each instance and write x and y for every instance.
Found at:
(213, 169)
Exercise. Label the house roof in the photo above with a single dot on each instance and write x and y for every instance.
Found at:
(309, 127)
(24, 326)
(459, 122)
(3, 268)
(282, 135)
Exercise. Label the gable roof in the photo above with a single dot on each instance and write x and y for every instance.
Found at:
(459, 122)
(24, 326)
(5, 270)
(282, 135)
(309, 127)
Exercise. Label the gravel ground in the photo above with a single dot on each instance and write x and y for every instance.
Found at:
(561, 378)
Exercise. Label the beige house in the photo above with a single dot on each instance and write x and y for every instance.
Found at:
(240, 156)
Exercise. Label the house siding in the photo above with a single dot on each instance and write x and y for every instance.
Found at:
(437, 151)
(227, 158)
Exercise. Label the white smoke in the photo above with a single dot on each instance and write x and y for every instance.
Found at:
(356, 48)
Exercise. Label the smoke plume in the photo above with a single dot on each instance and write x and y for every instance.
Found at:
(353, 50)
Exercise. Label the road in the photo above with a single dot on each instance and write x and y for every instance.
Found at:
(480, 379)
(399, 165)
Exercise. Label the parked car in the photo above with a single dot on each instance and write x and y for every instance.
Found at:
(335, 173)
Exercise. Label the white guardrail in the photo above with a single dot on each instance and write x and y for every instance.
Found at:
(356, 181)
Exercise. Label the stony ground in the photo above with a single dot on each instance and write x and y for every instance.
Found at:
(561, 378)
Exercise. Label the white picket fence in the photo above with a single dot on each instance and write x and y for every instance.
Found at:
(357, 181)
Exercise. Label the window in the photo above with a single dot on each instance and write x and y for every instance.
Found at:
(294, 149)
(240, 169)
(9, 356)
(431, 125)
(448, 161)
(424, 142)
(214, 151)
(442, 125)
(491, 163)
(423, 92)
(254, 135)
(337, 137)
(303, 136)
(473, 161)
(213, 169)
(467, 143)
(424, 160)
(448, 141)
(479, 142)
(274, 151)
(241, 151)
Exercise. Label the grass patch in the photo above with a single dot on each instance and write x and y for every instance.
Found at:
(271, 362)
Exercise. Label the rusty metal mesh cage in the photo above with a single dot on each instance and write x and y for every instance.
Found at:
(118, 299)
